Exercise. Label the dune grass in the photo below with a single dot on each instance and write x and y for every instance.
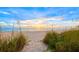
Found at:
(67, 41)
(51, 39)
(13, 43)
(71, 40)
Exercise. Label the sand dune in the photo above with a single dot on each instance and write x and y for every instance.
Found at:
(35, 38)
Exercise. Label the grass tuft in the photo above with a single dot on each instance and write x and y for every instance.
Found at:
(13, 45)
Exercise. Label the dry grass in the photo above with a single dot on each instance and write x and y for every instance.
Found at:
(13, 44)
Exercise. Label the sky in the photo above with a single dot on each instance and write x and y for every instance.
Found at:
(39, 15)
(24, 13)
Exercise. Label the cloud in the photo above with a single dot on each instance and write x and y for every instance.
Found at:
(41, 20)
(56, 22)
(32, 23)
(4, 12)
(31, 14)
(35, 12)
(3, 24)
(38, 18)
(47, 22)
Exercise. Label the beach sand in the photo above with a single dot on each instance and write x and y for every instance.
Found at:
(35, 41)
(35, 38)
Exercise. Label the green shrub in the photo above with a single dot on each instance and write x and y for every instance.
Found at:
(66, 41)
(51, 39)
(71, 40)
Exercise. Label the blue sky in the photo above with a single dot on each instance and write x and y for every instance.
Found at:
(12, 14)
(20, 13)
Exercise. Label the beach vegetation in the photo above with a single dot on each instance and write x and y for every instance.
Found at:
(15, 43)
(68, 41)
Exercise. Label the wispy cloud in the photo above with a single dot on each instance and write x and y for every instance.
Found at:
(39, 17)
(4, 12)
(3, 23)
(45, 22)
(33, 13)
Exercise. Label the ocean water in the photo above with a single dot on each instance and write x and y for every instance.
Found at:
(8, 29)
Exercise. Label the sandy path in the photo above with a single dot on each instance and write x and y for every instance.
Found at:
(35, 44)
